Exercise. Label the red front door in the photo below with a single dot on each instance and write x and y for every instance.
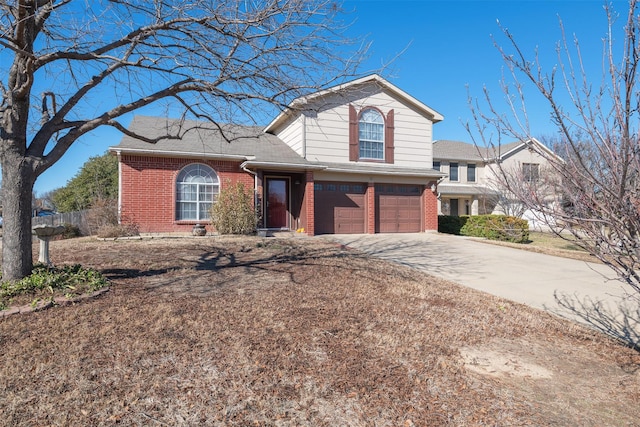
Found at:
(277, 203)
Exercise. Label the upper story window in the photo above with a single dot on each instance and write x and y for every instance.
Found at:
(453, 172)
(436, 165)
(371, 135)
(471, 172)
(197, 187)
(531, 172)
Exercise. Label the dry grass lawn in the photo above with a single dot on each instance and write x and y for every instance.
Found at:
(298, 332)
(549, 244)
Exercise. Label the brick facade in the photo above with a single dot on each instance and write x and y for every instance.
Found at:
(148, 194)
(148, 190)
(370, 209)
(309, 204)
(430, 208)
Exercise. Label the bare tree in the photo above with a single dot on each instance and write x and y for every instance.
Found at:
(69, 67)
(518, 191)
(597, 177)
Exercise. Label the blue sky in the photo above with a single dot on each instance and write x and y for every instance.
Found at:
(446, 52)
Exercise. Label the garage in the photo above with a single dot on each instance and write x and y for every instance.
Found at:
(398, 208)
(339, 208)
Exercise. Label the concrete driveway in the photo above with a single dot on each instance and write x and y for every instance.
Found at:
(587, 292)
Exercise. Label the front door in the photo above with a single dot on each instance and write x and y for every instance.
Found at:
(454, 207)
(277, 211)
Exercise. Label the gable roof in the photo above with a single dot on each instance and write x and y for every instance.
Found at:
(458, 150)
(205, 140)
(248, 144)
(367, 80)
(532, 143)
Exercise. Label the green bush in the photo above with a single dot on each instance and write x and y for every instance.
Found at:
(497, 227)
(233, 211)
(44, 281)
(451, 224)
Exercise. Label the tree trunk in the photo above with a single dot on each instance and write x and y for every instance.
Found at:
(17, 187)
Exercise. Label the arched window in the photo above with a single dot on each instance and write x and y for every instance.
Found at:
(197, 187)
(371, 134)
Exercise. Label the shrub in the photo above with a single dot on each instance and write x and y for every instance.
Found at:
(46, 281)
(497, 227)
(102, 219)
(451, 224)
(70, 231)
(103, 212)
(233, 212)
(118, 230)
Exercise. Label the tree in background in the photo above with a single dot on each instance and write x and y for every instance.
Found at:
(68, 67)
(598, 172)
(45, 200)
(96, 180)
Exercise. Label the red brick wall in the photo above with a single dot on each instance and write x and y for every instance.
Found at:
(148, 190)
(371, 208)
(308, 205)
(430, 208)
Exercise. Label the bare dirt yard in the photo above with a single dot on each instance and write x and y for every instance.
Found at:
(298, 332)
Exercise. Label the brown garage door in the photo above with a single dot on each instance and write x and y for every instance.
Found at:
(339, 208)
(398, 208)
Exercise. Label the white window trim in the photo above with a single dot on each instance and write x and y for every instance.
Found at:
(214, 182)
(382, 142)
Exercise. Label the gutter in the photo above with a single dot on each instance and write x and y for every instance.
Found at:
(191, 154)
(294, 166)
(385, 172)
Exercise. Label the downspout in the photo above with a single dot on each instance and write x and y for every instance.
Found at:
(255, 184)
(119, 155)
(304, 136)
(437, 184)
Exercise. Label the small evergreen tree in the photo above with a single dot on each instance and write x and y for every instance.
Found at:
(233, 212)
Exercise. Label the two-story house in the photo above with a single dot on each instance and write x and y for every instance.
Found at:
(473, 186)
(355, 158)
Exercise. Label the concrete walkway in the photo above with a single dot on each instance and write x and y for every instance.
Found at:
(587, 292)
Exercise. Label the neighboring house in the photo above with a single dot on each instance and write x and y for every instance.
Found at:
(472, 185)
(355, 158)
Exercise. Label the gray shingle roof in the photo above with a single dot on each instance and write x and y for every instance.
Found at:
(458, 150)
(205, 140)
(464, 190)
(382, 169)
(244, 143)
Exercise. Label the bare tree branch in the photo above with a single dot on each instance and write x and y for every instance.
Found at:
(229, 62)
(596, 179)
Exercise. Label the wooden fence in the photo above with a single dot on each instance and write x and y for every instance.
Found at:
(78, 218)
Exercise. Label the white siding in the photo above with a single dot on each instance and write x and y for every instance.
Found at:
(481, 172)
(292, 134)
(523, 156)
(327, 134)
(513, 163)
